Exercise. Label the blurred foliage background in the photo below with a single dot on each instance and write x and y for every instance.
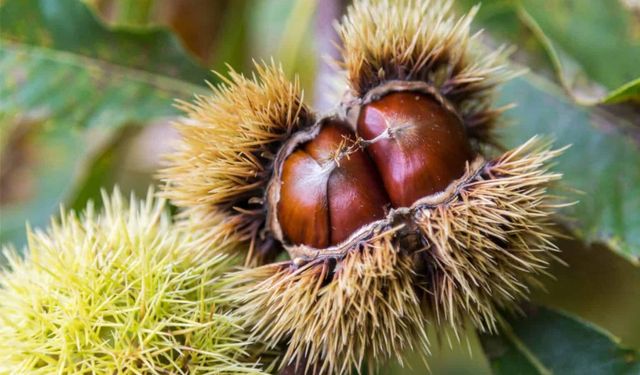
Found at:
(86, 94)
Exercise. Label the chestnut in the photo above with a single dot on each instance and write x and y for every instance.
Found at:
(407, 145)
(329, 189)
(417, 144)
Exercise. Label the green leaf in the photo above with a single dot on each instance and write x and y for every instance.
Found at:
(597, 285)
(603, 162)
(582, 41)
(599, 35)
(76, 83)
(76, 105)
(71, 26)
(507, 357)
(628, 92)
(550, 342)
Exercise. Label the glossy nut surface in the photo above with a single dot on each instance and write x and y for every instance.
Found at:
(333, 185)
(419, 147)
(327, 191)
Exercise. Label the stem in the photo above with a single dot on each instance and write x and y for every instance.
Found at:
(294, 32)
(326, 38)
(134, 13)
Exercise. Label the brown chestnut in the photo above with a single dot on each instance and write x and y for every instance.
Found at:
(418, 145)
(329, 189)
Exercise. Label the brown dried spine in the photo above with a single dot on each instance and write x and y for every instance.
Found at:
(443, 230)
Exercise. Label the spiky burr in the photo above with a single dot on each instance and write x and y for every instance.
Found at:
(395, 210)
(119, 290)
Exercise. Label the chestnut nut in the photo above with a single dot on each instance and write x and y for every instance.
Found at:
(407, 145)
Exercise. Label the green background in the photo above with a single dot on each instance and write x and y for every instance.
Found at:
(86, 101)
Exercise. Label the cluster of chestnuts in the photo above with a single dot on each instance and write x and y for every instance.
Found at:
(335, 179)
(395, 211)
